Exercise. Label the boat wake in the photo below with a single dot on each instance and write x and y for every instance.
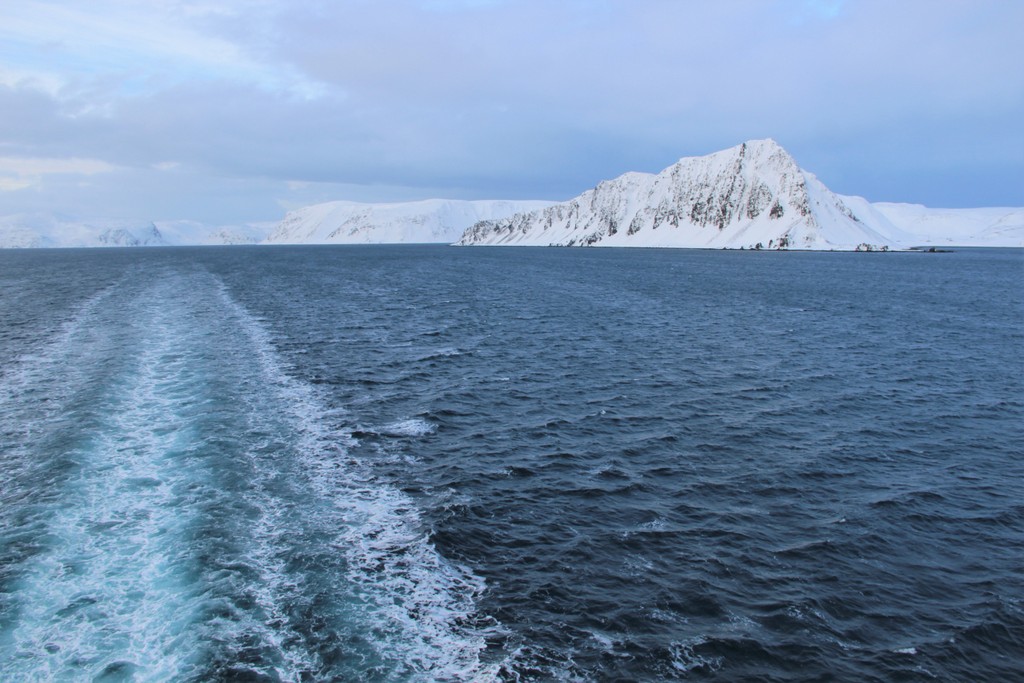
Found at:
(180, 507)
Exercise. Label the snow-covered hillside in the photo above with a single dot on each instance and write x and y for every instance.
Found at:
(190, 232)
(751, 196)
(48, 230)
(987, 227)
(432, 220)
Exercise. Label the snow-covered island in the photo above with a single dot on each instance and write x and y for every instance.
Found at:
(751, 196)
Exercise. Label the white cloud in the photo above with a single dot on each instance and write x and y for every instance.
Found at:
(13, 184)
(138, 47)
(36, 79)
(485, 98)
(22, 173)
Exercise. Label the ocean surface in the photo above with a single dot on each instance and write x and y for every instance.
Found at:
(426, 463)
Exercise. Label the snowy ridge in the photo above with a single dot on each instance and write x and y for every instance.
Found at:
(752, 196)
(194, 233)
(47, 230)
(35, 230)
(431, 220)
(987, 227)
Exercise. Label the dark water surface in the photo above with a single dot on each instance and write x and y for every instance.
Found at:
(431, 463)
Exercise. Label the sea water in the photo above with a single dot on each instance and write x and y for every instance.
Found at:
(428, 463)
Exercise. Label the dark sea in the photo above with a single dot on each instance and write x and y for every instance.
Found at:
(427, 463)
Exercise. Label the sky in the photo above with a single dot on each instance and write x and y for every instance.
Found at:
(231, 111)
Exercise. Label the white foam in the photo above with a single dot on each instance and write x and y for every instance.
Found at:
(109, 590)
(417, 609)
(410, 427)
(685, 660)
(438, 354)
(117, 584)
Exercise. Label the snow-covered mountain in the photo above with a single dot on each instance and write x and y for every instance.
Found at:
(48, 230)
(986, 227)
(431, 220)
(193, 233)
(34, 230)
(751, 196)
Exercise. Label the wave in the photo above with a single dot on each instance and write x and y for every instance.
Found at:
(192, 514)
(416, 609)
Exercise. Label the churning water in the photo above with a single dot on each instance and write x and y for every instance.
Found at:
(429, 463)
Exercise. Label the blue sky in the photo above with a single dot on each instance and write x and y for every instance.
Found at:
(225, 111)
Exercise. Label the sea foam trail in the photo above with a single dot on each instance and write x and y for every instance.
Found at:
(94, 583)
(119, 584)
(201, 519)
(414, 609)
(51, 386)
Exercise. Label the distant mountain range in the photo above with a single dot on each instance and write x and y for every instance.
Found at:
(752, 196)
(432, 220)
(35, 230)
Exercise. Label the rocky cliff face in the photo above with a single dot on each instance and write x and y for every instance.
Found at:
(753, 196)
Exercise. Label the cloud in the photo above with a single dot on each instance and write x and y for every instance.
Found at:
(490, 98)
(133, 48)
(23, 173)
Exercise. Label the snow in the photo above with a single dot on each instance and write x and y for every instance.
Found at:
(750, 196)
(50, 230)
(192, 232)
(342, 222)
(431, 220)
(987, 227)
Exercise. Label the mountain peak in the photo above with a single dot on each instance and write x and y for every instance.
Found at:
(763, 151)
(757, 153)
(764, 143)
(753, 195)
